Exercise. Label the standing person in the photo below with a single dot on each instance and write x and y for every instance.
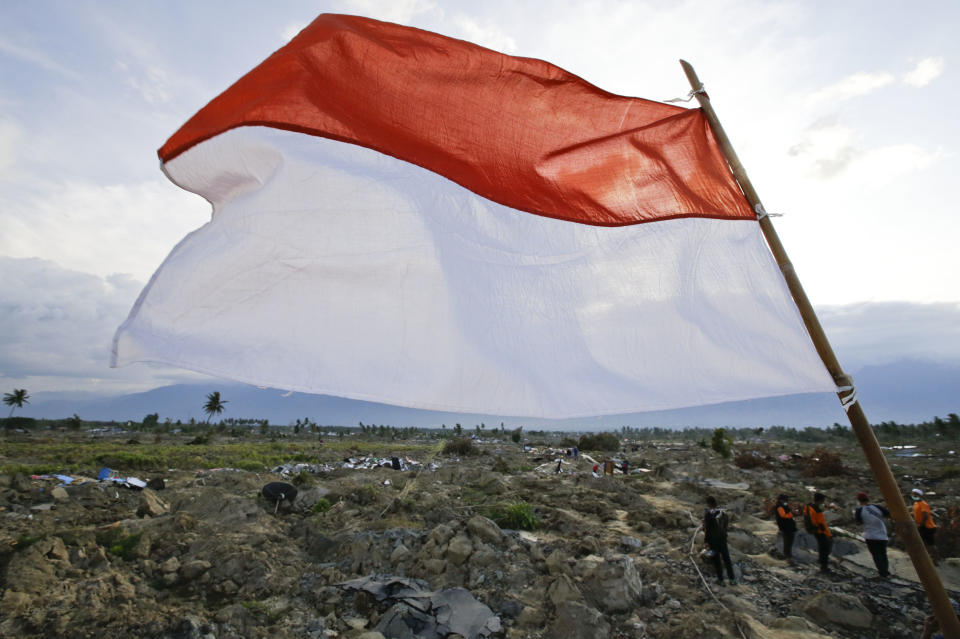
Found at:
(817, 524)
(874, 531)
(787, 526)
(715, 524)
(925, 524)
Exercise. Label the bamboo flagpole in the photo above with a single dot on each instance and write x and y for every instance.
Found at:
(936, 593)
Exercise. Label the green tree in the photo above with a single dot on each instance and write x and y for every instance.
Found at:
(151, 419)
(599, 441)
(720, 442)
(214, 405)
(16, 399)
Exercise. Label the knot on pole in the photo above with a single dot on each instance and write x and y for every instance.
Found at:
(762, 212)
(842, 379)
(690, 95)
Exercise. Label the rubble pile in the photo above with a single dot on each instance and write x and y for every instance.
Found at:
(376, 547)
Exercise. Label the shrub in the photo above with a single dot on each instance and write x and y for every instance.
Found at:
(721, 443)
(460, 446)
(516, 516)
(24, 541)
(125, 546)
(599, 441)
(303, 478)
(200, 440)
(501, 466)
(749, 459)
(26, 423)
(365, 495)
(322, 505)
(823, 463)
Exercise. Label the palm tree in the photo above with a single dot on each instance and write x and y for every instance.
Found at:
(16, 399)
(214, 405)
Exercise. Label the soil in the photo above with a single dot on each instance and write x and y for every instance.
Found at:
(204, 554)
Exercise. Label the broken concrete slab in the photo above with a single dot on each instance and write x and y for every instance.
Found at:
(419, 612)
(831, 608)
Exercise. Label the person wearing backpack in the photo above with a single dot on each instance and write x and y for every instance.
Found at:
(816, 524)
(787, 526)
(874, 531)
(715, 524)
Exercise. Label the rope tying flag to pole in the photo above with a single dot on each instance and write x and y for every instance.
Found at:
(690, 95)
(762, 212)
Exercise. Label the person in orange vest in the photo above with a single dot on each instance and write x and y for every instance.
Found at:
(816, 523)
(925, 524)
(787, 526)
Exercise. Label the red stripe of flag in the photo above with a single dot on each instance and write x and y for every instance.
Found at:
(518, 131)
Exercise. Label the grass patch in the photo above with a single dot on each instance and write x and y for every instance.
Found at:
(125, 546)
(25, 541)
(365, 495)
(30, 469)
(82, 454)
(516, 516)
(303, 478)
(321, 506)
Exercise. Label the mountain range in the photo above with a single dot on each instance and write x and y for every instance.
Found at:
(905, 391)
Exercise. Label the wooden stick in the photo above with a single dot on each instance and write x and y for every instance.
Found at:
(936, 593)
(693, 560)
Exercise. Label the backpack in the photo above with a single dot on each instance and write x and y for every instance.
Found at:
(808, 520)
(723, 522)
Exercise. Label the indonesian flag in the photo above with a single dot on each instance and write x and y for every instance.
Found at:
(407, 218)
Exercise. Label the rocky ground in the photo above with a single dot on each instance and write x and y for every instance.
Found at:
(370, 552)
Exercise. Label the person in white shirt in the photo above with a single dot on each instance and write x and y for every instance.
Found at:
(874, 531)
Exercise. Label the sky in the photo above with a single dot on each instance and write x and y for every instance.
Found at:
(842, 113)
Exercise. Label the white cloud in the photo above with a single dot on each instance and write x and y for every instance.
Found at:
(399, 11)
(38, 59)
(10, 137)
(827, 148)
(58, 329)
(100, 229)
(853, 86)
(486, 34)
(872, 333)
(884, 162)
(151, 82)
(291, 30)
(926, 71)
